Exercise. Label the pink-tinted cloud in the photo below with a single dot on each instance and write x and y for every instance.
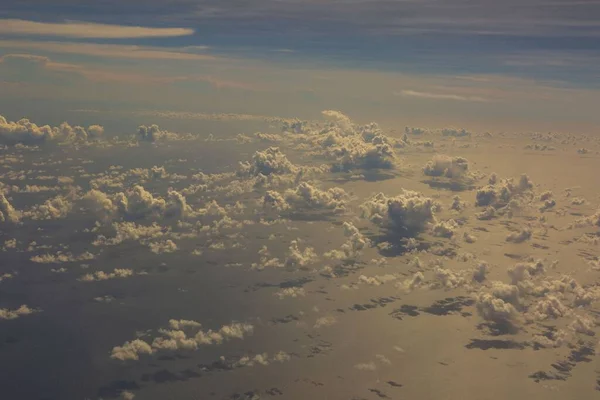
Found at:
(86, 30)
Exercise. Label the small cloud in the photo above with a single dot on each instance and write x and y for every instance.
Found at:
(439, 96)
(76, 29)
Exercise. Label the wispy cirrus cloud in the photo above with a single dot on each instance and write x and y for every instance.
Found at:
(439, 96)
(106, 50)
(75, 29)
(96, 74)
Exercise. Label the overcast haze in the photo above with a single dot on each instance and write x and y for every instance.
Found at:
(351, 199)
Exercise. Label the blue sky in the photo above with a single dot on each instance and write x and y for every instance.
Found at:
(493, 65)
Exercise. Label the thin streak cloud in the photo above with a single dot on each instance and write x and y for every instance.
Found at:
(106, 50)
(73, 29)
(439, 96)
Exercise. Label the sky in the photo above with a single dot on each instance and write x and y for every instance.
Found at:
(485, 65)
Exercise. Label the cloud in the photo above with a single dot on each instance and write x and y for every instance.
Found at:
(296, 257)
(447, 167)
(118, 273)
(167, 246)
(406, 214)
(7, 212)
(324, 321)
(183, 335)
(290, 292)
(62, 258)
(6, 313)
(27, 132)
(73, 29)
(306, 197)
(107, 50)
(370, 366)
(520, 236)
(439, 96)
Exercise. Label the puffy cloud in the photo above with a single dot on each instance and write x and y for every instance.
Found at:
(183, 335)
(448, 167)
(457, 204)
(592, 220)
(324, 321)
(549, 307)
(153, 133)
(297, 257)
(118, 273)
(412, 283)
(266, 261)
(447, 279)
(55, 208)
(500, 194)
(62, 258)
(290, 292)
(138, 202)
(481, 271)
(125, 231)
(267, 162)
(7, 212)
(6, 313)
(521, 272)
(166, 246)
(370, 366)
(99, 203)
(353, 246)
(127, 395)
(131, 350)
(444, 228)
(308, 196)
(520, 236)
(583, 324)
(27, 132)
(377, 279)
(496, 310)
(405, 214)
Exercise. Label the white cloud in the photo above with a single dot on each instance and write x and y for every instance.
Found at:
(6, 313)
(7, 212)
(118, 273)
(324, 321)
(439, 96)
(406, 214)
(75, 29)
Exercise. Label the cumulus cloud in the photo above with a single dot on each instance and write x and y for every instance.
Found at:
(496, 310)
(324, 321)
(6, 313)
(55, 208)
(266, 261)
(444, 229)
(592, 220)
(7, 212)
(417, 280)
(370, 366)
(290, 292)
(62, 258)
(406, 214)
(519, 236)
(166, 246)
(267, 162)
(131, 350)
(28, 133)
(549, 307)
(353, 246)
(185, 335)
(456, 168)
(117, 273)
(297, 257)
(504, 197)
